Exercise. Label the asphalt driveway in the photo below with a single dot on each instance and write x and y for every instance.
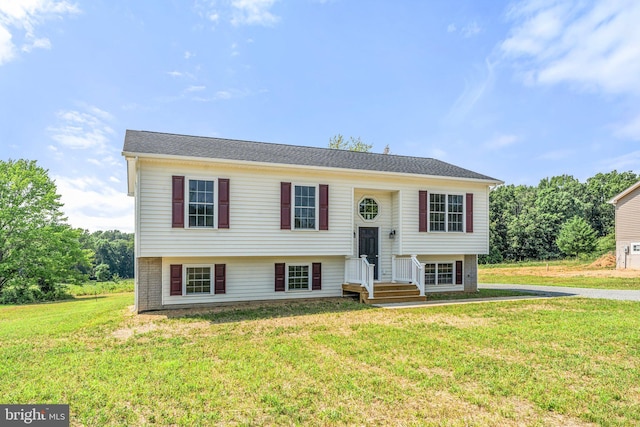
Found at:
(557, 291)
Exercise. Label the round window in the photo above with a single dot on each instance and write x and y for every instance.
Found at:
(368, 208)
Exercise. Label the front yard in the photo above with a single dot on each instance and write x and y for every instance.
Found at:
(536, 362)
(560, 273)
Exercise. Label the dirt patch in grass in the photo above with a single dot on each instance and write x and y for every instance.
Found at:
(605, 261)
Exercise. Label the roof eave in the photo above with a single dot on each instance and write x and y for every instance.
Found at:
(290, 166)
(617, 198)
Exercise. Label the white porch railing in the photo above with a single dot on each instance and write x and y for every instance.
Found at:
(408, 269)
(358, 270)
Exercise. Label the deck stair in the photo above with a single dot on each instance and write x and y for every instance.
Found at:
(385, 293)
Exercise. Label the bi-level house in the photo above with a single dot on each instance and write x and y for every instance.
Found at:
(220, 220)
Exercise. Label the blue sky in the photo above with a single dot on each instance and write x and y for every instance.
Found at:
(515, 90)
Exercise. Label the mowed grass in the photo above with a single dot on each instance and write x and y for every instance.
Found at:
(573, 282)
(540, 362)
(569, 273)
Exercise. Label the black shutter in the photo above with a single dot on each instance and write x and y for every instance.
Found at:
(459, 272)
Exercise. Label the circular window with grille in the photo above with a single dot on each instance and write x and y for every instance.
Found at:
(368, 208)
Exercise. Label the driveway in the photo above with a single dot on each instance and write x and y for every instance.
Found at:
(557, 291)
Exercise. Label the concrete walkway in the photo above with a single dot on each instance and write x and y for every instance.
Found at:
(535, 291)
(557, 291)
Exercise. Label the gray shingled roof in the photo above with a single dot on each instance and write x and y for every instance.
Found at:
(144, 142)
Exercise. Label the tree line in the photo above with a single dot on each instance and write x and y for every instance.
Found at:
(537, 222)
(39, 251)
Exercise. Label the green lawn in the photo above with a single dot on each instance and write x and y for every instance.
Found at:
(532, 362)
(573, 282)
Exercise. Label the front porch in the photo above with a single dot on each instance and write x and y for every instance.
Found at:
(411, 280)
(384, 293)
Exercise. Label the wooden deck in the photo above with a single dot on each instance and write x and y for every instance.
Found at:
(384, 293)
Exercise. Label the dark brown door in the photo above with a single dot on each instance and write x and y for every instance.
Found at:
(368, 245)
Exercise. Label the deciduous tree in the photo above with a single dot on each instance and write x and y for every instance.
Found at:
(38, 250)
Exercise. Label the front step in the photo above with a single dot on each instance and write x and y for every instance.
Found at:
(386, 293)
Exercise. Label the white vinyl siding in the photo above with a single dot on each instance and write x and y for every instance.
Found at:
(252, 278)
(445, 243)
(254, 209)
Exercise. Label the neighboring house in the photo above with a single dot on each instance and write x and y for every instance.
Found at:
(627, 205)
(219, 220)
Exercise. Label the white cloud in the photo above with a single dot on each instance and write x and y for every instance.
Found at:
(92, 203)
(19, 20)
(471, 29)
(213, 16)
(593, 46)
(83, 129)
(253, 12)
(187, 55)
(451, 28)
(195, 88)
(501, 141)
(629, 130)
(472, 93)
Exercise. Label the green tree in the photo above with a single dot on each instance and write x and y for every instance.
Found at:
(38, 250)
(354, 144)
(102, 273)
(577, 237)
(601, 188)
(113, 248)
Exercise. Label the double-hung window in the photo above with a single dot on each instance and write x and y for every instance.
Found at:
(298, 277)
(439, 273)
(200, 203)
(198, 280)
(446, 212)
(304, 208)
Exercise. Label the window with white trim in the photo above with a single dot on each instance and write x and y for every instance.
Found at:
(304, 207)
(298, 277)
(368, 209)
(200, 203)
(439, 273)
(197, 280)
(635, 248)
(446, 212)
